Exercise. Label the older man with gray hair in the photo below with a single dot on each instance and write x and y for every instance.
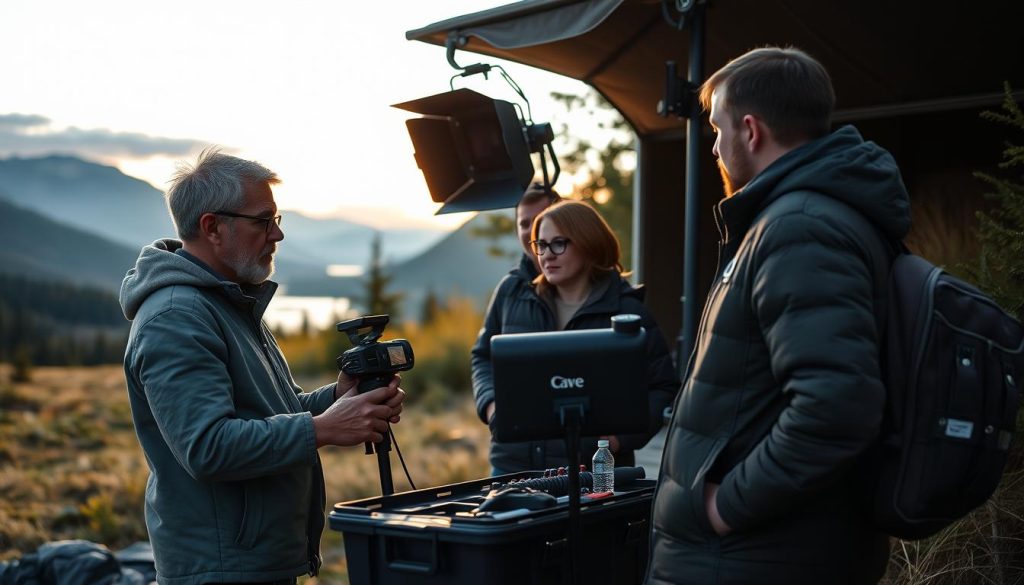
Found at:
(235, 491)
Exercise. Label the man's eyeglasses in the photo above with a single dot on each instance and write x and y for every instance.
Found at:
(266, 220)
(556, 246)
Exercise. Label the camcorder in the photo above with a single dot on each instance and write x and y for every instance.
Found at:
(374, 362)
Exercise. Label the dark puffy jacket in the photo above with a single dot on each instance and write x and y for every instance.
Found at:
(516, 308)
(783, 392)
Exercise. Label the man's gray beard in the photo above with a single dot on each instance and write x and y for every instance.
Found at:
(249, 270)
(255, 273)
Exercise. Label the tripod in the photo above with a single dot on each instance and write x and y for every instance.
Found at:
(383, 448)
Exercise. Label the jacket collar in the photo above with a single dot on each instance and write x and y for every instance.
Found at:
(605, 295)
(734, 215)
(526, 270)
(254, 297)
(842, 166)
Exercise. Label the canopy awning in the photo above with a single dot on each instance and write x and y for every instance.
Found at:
(885, 58)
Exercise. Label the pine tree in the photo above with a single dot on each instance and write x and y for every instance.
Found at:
(431, 307)
(1000, 272)
(1000, 269)
(605, 163)
(22, 364)
(497, 227)
(377, 299)
(5, 323)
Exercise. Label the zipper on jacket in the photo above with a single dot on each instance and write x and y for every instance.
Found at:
(281, 384)
(702, 325)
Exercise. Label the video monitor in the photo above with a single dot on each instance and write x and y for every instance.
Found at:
(539, 377)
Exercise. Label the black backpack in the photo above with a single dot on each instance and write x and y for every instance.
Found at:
(953, 363)
(80, 562)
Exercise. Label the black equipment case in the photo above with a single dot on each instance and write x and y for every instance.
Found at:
(432, 536)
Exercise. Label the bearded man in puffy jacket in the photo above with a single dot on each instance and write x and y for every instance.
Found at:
(783, 393)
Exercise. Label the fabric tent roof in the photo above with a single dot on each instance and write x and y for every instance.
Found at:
(884, 57)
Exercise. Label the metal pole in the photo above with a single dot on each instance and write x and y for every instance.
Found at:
(690, 297)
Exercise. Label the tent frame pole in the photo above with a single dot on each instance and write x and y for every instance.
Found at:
(695, 77)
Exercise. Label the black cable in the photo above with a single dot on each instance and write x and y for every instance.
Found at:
(485, 69)
(676, 24)
(394, 441)
(517, 89)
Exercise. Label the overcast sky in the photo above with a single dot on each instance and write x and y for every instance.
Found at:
(303, 87)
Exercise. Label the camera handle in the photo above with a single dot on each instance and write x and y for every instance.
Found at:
(383, 448)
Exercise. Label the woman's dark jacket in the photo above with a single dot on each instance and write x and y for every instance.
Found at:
(516, 308)
(783, 393)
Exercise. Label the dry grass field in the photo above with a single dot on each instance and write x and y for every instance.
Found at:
(71, 467)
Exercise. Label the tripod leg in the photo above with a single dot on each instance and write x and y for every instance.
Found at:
(383, 448)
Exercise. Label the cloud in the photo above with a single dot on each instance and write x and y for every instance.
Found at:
(32, 134)
(18, 120)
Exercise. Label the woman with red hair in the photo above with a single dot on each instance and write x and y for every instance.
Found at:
(581, 286)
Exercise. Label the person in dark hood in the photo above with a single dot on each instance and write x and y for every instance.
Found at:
(580, 286)
(516, 283)
(783, 393)
(235, 490)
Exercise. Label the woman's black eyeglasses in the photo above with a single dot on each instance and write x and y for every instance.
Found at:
(556, 246)
(266, 220)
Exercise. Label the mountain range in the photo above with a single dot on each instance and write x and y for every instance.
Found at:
(72, 220)
(103, 200)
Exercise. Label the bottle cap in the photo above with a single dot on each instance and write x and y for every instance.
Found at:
(602, 443)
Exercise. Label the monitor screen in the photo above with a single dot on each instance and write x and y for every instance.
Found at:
(540, 376)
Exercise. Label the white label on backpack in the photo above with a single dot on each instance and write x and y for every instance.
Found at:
(961, 429)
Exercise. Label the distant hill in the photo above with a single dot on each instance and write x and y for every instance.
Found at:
(337, 241)
(80, 222)
(43, 249)
(103, 200)
(95, 198)
(40, 247)
(459, 264)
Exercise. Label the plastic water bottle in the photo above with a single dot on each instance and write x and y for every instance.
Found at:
(603, 468)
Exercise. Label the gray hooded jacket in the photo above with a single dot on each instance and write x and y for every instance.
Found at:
(235, 491)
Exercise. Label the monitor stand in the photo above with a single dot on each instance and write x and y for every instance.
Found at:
(572, 412)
